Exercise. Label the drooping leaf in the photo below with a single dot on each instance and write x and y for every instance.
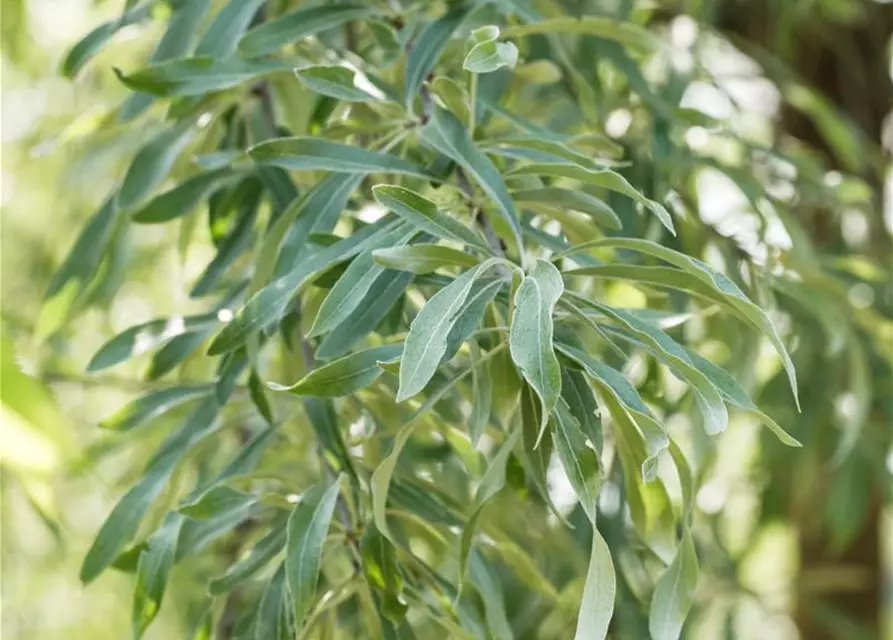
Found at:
(152, 572)
(124, 520)
(216, 500)
(345, 375)
(446, 135)
(308, 526)
(482, 398)
(604, 178)
(317, 154)
(297, 25)
(597, 605)
(274, 619)
(580, 462)
(674, 592)
(424, 214)
(630, 35)
(530, 338)
(581, 201)
(491, 483)
(152, 405)
(92, 43)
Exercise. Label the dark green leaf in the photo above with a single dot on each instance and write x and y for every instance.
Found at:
(196, 76)
(297, 25)
(223, 34)
(581, 201)
(215, 501)
(428, 45)
(264, 551)
(335, 82)
(317, 154)
(152, 405)
(422, 258)
(152, 572)
(345, 375)
(152, 163)
(183, 198)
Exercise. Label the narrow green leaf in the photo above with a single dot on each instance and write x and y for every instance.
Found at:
(259, 397)
(578, 395)
(143, 337)
(152, 573)
(426, 342)
(630, 35)
(91, 44)
(491, 483)
(345, 375)
(580, 462)
(384, 293)
(274, 619)
(223, 34)
(335, 82)
(196, 76)
(422, 258)
(613, 382)
(124, 520)
(380, 566)
(597, 605)
(353, 284)
(716, 416)
(175, 352)
(152, 163)
(268, 305)
(604, 178)
(452, 96)
(428, 45)
(215, 501)
(570, 199)
(308, 527)
(265, 550)
(490, 589)
(183, 198)
(674, 592)
(470, 317)
(482, 397)
(424, 214)
(314, 154)
(297, 25)
(445, 134)
(530, 337)
(730, 294)
(152, 405)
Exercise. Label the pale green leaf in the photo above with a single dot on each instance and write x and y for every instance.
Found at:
(597, 605)
(152, 573)
(630, 35)
(530, 337)
(580, 461)
(335, 82)
(581, 201)
(152, 405)
(490, 56)
(223, 34)
(152, 163)
(674, 592)
(422, 258)
(265, 550)
(345, 375)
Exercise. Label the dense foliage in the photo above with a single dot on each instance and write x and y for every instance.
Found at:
(467, 323)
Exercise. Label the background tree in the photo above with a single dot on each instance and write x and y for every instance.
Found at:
(472, 240)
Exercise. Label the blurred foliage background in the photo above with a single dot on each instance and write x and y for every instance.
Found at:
(799, 542)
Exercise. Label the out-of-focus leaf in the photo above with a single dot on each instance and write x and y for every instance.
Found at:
(486, 57)
(674, 592)
(215, 501)
(92, 43)
(183, 198)
(577, 200)
(264, 551)
(446, 135)
(428, 46)
(336, 82)
(424, 214)
(453, 97)
(274, 619)
(124, 520)
(143, 337)
(308, 526)
(530, 338)
(317, 154)
(482, 398)
(152, 163)
(152, 572)
(223, 34)
(422, 258)
(196, 76)
(604, 178)
(297, 25)
(491, 483)
(345, 375)
(152, 405)
(383, 573)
